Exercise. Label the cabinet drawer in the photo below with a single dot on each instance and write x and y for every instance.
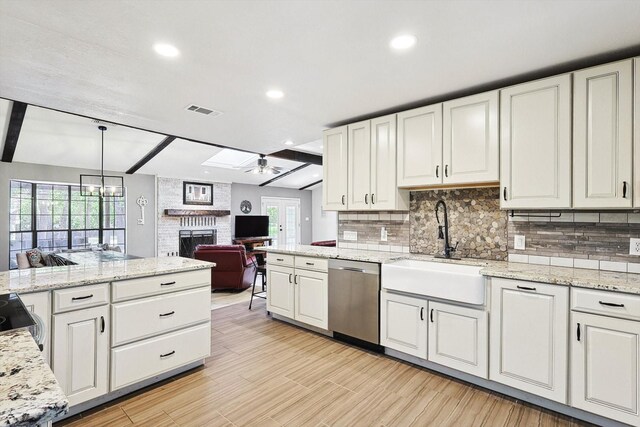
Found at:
(141, 360)
(80, 297)
(280, 259)
(310, 263)
(608, 303)
(143, 318)
(155, 285)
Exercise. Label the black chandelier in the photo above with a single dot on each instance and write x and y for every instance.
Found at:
(101, 185)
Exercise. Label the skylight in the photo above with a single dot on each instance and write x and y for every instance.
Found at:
(230, 159)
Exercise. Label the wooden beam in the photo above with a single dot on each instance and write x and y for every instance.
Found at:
(13, 131)
(298, 156)
(310, 185)
(151, 154)
(285, 174)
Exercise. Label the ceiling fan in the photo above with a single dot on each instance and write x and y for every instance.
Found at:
(263, 168)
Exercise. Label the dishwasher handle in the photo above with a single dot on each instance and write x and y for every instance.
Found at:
(357, 270)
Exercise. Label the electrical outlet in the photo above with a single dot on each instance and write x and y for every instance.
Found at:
(634, 246)
(383, 234)
(519, 242)
(350, 235)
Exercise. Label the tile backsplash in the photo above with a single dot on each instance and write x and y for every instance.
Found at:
(368, 226)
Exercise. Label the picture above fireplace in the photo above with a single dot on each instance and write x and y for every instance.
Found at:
(196, 193)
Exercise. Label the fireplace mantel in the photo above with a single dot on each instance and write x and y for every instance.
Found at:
(196, 212)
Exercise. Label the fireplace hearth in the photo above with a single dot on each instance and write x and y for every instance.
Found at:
(189, 239)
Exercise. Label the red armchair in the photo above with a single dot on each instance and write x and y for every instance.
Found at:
(233, 270)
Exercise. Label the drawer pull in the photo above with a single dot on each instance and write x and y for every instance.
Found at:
(171, 313)
(526, 288)
(171, 353)
(610, 304)
(81, 298)
(168, 283)
(309, 263)
(280, 259)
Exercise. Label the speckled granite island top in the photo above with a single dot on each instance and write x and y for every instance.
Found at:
(29, 392)
(578, 277)
(41, 279)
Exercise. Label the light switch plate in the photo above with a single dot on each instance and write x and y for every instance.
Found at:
(350, 235)
(519, 242)
(634, 246)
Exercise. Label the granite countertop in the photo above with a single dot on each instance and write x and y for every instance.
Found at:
(94, 257)
(29, 392)
(45, 278)
(577, 277)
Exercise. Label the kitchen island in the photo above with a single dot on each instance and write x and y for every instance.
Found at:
(112, 328)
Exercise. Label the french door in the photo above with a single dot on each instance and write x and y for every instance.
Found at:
(284, 219)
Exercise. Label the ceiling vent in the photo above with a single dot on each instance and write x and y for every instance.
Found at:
(202, 110)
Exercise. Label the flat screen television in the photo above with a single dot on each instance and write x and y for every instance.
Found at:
(252, 226)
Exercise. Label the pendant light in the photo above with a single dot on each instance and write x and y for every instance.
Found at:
(101, 185)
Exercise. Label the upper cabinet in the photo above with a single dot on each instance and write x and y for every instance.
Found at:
(367, 179)
(636, 131)
(535, 144)
(471, 149)
(334, 167)
(602, 136)
(420, 146)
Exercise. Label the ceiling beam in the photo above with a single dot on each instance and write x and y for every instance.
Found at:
(13, 131)
(298, 156)
(310, 185)
(285, 174)
(151, 154)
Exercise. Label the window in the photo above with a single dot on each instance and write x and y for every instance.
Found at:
(55, 216)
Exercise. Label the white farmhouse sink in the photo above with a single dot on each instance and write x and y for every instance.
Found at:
(455, 282)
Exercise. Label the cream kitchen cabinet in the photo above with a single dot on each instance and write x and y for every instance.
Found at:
(605, 360)
(359, 170)
(403, 323)
(636, 131)
(471, 149)
(300, 293)
(334, 167)
(80, 351)
(528, 337)
(420, 147)
(602, 136)
(39, 303)
(459, 338)
(535, 144)
(384, 189)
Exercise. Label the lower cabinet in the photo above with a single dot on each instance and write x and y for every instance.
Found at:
(459, 338)
(403, 325)
(80, 353)
(529, 348)
(605, 366)
(299, 294)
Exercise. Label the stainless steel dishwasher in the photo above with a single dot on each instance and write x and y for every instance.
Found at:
(354, 301)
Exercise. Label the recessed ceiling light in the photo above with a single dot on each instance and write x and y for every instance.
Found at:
(288, 142)
(275, 93)
(165, 49)
(403, 42)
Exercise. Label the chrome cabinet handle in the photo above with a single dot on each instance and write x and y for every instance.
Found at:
(81, 298)
(171, 313)
(171, 353)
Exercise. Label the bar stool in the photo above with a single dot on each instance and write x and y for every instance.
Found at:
(261, 269)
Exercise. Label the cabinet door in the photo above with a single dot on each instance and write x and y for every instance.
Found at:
(636, 130)
(459, 338)
(535, 144)
(605, 361)
(528, 344)
(334, 167)
(471, 151)
(358, 195)
(312, 295)
(602, 133)
(80, 351)
(384, 190)
(403, 324)
(39, 303)
(280, 290)
(420, 146)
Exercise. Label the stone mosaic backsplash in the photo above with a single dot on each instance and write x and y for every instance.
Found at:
(475, 221)
(595, 240)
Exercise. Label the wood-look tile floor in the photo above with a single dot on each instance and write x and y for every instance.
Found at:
(267, 373)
